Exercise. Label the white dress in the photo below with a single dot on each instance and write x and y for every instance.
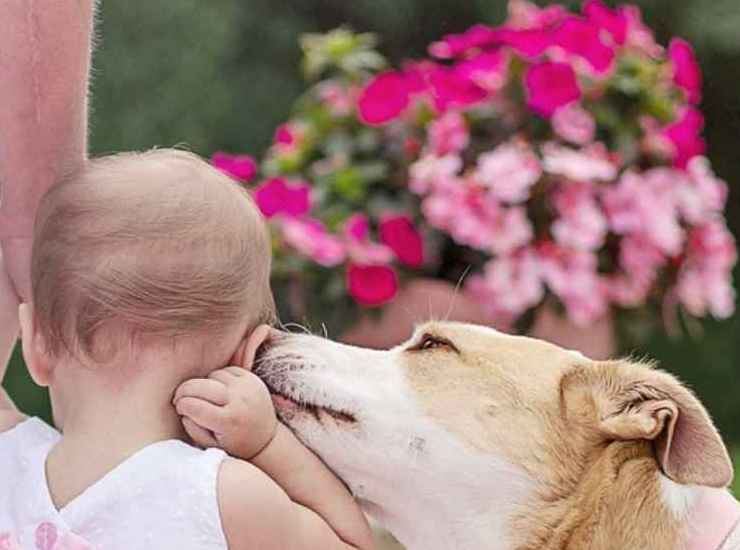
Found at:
(163, 497)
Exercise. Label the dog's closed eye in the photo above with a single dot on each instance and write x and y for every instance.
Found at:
(429, 342)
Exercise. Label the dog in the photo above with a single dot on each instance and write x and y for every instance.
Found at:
(467, 438)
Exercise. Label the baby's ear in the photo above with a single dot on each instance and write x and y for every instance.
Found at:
(633, 401)
(34, 349)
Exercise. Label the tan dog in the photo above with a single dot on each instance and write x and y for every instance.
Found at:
(466, 438)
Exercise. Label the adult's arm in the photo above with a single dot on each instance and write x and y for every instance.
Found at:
(45, 48)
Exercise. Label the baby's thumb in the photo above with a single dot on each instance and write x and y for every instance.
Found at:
(200, 436)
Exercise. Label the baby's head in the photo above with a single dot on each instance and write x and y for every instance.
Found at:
(140, 252)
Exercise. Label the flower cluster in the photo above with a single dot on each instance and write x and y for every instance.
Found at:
(567, 149)
(560, 154)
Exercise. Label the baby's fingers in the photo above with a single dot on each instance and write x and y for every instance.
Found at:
(203, 413)
(200, 436)
(209, 390)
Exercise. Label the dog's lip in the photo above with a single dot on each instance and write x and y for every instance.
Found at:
(288, 404)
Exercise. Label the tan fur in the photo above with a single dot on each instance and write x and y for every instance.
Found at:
(588, 433)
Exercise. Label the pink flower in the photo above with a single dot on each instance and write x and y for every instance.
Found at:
(705, 279)
(384, 99)
(372, 285)
(465, 212)
(581, 224)
(509, 171)
(310, 238)
(240, 167)
(686, 70)
(639, 35)
(703, 195)
(510, 230)
(646, 205)
(582, 38)
(550, 86)
(449, 88)
(639, 264)
(509, 286)
(279, 196)
(359, 247)
(454, 45)
(336, 97)
(488, 70)
(432, 171)
(685, 136)
(588, 164)
(575, 124)
(526, 15)
(448, 133)
(400, 235)
(573, 277)
(615, 22)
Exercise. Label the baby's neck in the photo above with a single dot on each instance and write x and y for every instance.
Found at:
(103, 425)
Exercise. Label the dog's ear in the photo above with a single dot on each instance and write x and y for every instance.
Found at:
(634, 401)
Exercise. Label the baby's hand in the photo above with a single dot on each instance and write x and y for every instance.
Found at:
(231, 409)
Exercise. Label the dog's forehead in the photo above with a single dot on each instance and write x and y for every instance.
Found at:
(480, 338)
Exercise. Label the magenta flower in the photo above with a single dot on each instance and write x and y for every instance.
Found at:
(384, 99)
(582, 38)
(454, 45)
(280, 196)
(310, 238)
(398, 232)
(530, 43)
(574, 124)
(686, 70)
(615, 22)
(685, 136)
(451, 88)
(550, 86)
(488, 70)
(240, 167)
(359, 247)
(448, 133)
(372, 285)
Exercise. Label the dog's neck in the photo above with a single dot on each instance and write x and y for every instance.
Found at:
(465, 500)
(621, 501)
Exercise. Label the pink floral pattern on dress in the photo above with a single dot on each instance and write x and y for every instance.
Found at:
(46, 537)
(9, 542)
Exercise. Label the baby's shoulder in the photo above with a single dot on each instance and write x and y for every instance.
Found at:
(10, 418)
(255, 511)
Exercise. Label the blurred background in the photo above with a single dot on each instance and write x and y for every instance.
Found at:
(222, 74)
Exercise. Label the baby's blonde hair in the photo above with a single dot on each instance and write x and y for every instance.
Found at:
(147, 244)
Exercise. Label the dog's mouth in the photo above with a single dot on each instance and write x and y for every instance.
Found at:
(287, 407)
(289, 403)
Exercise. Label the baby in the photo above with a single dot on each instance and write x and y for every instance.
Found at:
(149, 270)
